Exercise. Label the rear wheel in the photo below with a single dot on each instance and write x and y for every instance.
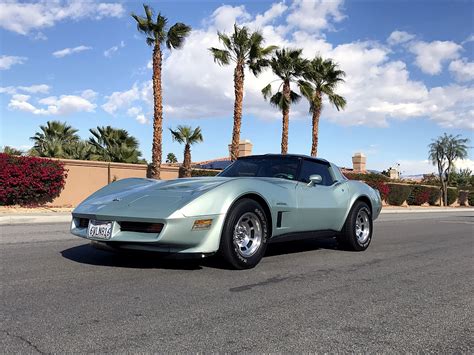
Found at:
(244, 236)
(356, 234)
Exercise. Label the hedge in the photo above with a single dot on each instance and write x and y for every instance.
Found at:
(377, 181)
(203, 172)
(453, 194)
(435, 195)
(398, 194)
(463, 197)
(30, 180)
(419, 195)
(470, 198)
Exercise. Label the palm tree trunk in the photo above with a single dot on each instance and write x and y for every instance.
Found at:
(316, 116)
(239, 96)
(156, 150)
(286, 118)
(187, 161)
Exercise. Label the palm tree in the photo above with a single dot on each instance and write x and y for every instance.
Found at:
(11, 150)
(442, 152)
(114, 145)
(244, 49)
(288, 66)
(188, 136)
(157, 33)
(53, 139)
(80, 150)
(325, 75)
(171, 158)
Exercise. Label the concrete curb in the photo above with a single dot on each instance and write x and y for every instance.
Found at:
(33, 219)
(425, 210)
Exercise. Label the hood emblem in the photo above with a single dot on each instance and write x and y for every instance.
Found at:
(116, 199)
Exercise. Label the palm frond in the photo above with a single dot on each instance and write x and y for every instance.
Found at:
(221, 56)
(267, 91)
(176, 35)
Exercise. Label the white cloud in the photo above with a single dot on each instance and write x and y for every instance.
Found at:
(398, 37)
(7, 61)
(22, 18)
(225, 16)
(109, 52)
(121, 99)
(464, 164)
(430, 56)
(142, 119)
(462, 70)
(32, 89)
(415, 167)
(271, 14)
(68, 51)
(52, 105)
(89, 94)
(315, 15)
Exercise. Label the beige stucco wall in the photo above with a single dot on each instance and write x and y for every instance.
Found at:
(85, 177)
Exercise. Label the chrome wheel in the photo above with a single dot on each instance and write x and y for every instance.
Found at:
(362, 226)
(248, 234)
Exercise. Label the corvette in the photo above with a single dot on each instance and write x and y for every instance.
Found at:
(256, 200)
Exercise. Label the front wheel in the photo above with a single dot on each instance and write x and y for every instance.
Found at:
(356, 234)
(244, 236)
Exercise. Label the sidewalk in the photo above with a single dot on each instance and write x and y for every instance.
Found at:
(63, 215)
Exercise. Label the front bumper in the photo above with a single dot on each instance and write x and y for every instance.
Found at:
(177, 235)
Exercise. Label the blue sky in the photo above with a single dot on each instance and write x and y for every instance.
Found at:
(409, 68)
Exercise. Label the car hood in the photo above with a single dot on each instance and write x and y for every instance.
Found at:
(145, 198)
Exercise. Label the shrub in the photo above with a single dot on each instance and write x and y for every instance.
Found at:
(419, 195)
(470, 198)
(463, 197)
(435, 193)
(30, 180)
(203, 172)
(377, 181)
(398, 194)
(452, 195)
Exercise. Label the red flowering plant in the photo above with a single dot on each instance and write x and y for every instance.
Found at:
(30, 181)
(377, 181)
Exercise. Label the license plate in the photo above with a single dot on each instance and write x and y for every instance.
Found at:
(99, 229)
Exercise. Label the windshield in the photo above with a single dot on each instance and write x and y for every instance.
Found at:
(277, 167)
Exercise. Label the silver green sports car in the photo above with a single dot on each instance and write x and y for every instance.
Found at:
(256, 200)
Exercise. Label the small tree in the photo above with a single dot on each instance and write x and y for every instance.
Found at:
(171, 158)
(114, 145)
(442, 153)
(188, 136)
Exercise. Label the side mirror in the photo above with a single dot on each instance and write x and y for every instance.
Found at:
(315, 179)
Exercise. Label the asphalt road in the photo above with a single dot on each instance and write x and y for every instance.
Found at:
(412, 290)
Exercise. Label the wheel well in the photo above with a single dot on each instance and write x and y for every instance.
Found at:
(366, 200)
(265, 207)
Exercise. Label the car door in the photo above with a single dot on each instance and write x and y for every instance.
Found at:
(320, 206)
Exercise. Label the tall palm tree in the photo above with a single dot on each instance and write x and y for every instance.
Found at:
(114, 145)
(289, 67)
(443, 151)
(157, 33)
(53, 139)
(188, 136)
(325, 75)
(244, 49)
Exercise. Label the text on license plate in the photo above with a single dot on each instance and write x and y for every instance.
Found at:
(99, 229)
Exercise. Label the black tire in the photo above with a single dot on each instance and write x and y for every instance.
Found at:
(347, 238)
(250, 211)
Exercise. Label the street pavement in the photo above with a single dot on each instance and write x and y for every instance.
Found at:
(411, 291)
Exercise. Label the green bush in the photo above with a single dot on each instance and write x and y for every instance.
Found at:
(435, 193)
(453, 194)
(204, 172)
(419, 195)
(463, 197)
(470, 198)
(398, 194)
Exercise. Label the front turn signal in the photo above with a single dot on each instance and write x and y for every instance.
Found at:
(202, 224)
